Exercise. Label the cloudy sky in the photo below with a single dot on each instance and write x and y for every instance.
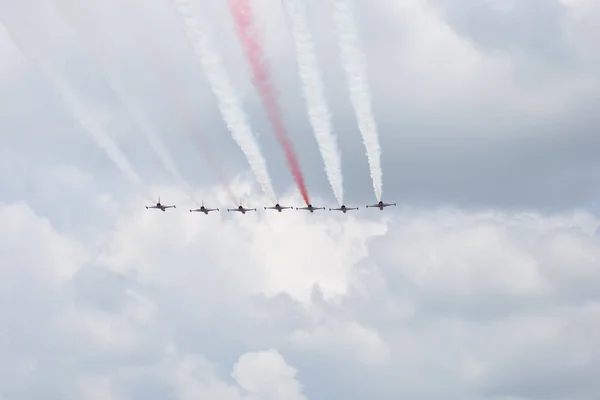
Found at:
(483, 284)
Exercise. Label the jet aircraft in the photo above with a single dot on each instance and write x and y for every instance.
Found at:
(204, 209)
(241, 209)
(381, 204)
(160, 206)
(277, 207)
(310, 208)
(343, 209)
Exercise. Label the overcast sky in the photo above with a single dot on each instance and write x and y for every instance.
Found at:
(482, 284)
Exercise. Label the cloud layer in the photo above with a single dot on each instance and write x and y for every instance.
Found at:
(416, 303)
(483, 284)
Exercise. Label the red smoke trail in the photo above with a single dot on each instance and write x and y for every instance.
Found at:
(177, 96)
(242, 15)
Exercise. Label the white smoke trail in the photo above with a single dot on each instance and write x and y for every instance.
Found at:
(231, 110)
(101, 138)
(133, 109)
(69, 96)
(157, 144)
(353, 61)
(314, 93)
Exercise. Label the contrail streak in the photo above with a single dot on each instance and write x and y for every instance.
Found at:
(231, 110)
(353, 61)
(242, 15)
(156, 143)
(138, 114)
(314, 93)
(69, 96)
(184, 108)
(180, 103)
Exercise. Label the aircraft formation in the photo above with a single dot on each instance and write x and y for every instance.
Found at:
(199, 34)
(381, 205)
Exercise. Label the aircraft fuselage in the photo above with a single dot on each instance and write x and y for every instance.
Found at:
(277, 207)
(160, 207)
(241, 209)
(310, 208)
(381, 205)
(343, 209)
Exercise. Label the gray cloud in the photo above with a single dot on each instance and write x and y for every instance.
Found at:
(533, 29)
(481, 285)
(457, 123)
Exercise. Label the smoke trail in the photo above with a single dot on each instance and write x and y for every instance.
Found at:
(229, 105)
(87, 122)
(314, 93)
(156, 143)
(356, 76)
(138, 114)
(177, 97)
(242, 15)
(217, 170)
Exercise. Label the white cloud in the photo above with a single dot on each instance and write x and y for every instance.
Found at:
(262, 248)
(195, 378)
(419, 294)
(30, 240)
(101, 298)
(261, 375)
(266, 375)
